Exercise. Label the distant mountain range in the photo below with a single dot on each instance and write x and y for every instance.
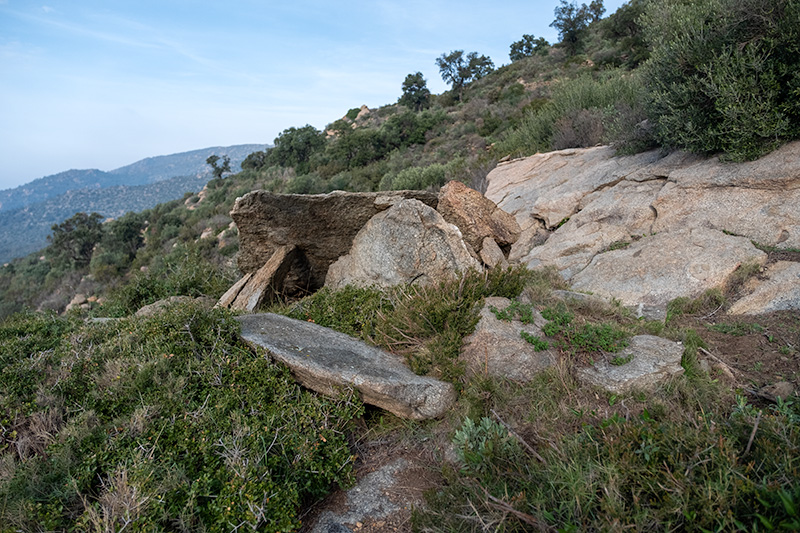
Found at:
(28, 212)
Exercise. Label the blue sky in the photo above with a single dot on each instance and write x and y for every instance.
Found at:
(104, 83)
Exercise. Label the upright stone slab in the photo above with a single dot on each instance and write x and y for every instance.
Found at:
(263, 286)
(324, 360)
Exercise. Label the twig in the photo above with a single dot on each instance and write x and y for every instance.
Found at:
(524, 517)
(753, 433)
(520, 439)
(712, 313)
(717, 359)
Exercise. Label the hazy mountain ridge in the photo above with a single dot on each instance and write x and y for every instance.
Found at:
(25, 230)
(145, 171)
(40, 204)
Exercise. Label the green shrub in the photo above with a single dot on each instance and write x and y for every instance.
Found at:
(479, 446)
(581, 112)
(161, 423)
(184, 272)
(724, 75)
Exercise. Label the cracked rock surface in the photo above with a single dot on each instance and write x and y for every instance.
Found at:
(647, 228)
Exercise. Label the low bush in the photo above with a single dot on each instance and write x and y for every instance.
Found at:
(162, 423)
(723, 75)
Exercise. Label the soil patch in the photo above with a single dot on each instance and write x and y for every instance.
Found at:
(759, 349)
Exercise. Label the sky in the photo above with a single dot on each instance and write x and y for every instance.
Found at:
(104, 83)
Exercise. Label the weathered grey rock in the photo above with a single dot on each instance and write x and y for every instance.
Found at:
(550, 186)
(263, 286)
(410, 242)
(776, 171)
(653, 360)
(779, 292)
(491, 254)
(610, 200)
(321, 226)
(476, 216)
(768, 216)
(159, 306)
(367, 500)
(496, 348)
(660, 268)
(324, 360)
(573, 247)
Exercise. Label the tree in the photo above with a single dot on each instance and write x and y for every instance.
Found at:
(216, 169)
(73, 240)
(528, 46)
(623, 28)
(459, 70)
(295, 146)
(255, 160)
(415, 92)
(572, 20)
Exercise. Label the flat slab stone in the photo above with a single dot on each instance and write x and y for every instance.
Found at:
(496, 348)
(652, 360)
(659, 268)
(325, 360)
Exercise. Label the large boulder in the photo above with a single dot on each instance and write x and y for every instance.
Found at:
(476, 216)
(408, 243)
(654, 270)
(325, 361)
(321, 227)
(550, 186)
(497, 348)
(577, 206)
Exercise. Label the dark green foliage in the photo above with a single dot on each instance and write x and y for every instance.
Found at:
(184, 272)
(72, 242)
(459, 70)
(294, 147)
(416, 95)
(350, 310)
(528, 46)
(724, 75)
(572, 22)
(353, 113)
(587, 337)
(623, 29)
(217, 168)
(406, 129)
(538, 343)
(162, 423)
(517, 310)
(121, 239)
(582, 112)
